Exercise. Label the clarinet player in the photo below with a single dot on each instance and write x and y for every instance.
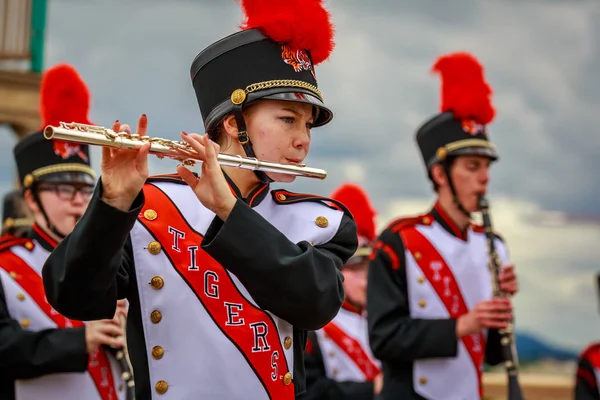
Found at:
(433, 321)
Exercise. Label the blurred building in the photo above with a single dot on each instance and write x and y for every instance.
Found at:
(22, 24)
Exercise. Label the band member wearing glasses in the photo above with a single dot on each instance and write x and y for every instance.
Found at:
(339, 363)
(224, 273)
(588, 368)
(432, 318)
(44, 355)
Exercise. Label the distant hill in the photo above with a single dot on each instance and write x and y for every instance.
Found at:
(531, 348)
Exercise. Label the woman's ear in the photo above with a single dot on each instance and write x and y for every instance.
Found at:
(29, 202)
(230, 126)
(438, 175)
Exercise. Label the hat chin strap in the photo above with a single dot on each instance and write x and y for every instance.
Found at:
(446, 167)
(49, 224)
(245, 141)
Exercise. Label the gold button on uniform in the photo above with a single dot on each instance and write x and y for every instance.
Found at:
(157, 282)
(332, 353)
(422, 303)
(426, 220)
(335, 372)
(13, 274)
(154, 247)
(421, 279)
(287, 343)
(150, 214)
(322, 222)
(155, 316)
(25, 323)
(29, 245)
(287, 378)
(281, 197)
(161, 387)
(157, 352)
(422, 380)
(21, 296)
(417, 255)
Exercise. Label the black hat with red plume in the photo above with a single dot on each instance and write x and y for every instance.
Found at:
(273, 57)
(357, 201)
(64, 97)
(466, 110)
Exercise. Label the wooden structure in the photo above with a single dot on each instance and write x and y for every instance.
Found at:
(22, 24)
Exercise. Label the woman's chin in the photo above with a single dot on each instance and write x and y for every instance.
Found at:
(283, 178)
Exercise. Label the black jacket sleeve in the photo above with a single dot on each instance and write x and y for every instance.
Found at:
(320, 387)
(393, 334)
(298, 282)
(89, 269)
(586, 386)
(26, 354)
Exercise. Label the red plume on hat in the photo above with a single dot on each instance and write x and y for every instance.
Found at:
(301, 24)
(465, 91)
(357, 201)
(64, 96)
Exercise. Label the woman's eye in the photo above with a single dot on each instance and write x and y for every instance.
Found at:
(288, 120)
(309, 125)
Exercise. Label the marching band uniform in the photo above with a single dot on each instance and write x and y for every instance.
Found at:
(425, 273)
(588, 369)
(338, 359)
(217, 310)
(43, 355)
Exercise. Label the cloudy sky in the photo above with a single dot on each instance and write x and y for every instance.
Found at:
(541, 57)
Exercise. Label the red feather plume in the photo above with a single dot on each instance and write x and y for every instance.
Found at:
(302, 24)
(357, 201)
(465, 91)
(64, 96)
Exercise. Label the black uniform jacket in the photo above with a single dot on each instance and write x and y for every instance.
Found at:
(320, 387)
(94, 266)
(396, 339)
(26, 354)
(586, 384)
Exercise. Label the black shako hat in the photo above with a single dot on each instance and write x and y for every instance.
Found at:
(466, 109)
(41, 160)
(64, 97)
(273, 57)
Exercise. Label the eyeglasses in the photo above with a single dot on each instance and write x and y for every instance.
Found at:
(68, 192)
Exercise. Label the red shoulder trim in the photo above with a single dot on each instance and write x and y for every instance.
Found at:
(285, 197)
(403, 223)
(592, 354)
(8, 241)
(173, 178)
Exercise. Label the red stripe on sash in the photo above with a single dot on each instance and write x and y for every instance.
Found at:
(248, 327)
(441, 278)
(353, 349)
(98, 364)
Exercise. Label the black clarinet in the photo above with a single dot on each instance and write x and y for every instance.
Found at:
(506, 335)
(122, 357)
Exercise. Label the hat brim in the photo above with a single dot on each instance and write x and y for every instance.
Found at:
(76, 177)
(482, 151)
(323, 116)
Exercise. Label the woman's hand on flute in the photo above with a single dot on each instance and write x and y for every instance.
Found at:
(124, 171)
(211, 188)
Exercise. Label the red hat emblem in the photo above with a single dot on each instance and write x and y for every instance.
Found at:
(298, 59)
(473, 127)
(66, 150)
